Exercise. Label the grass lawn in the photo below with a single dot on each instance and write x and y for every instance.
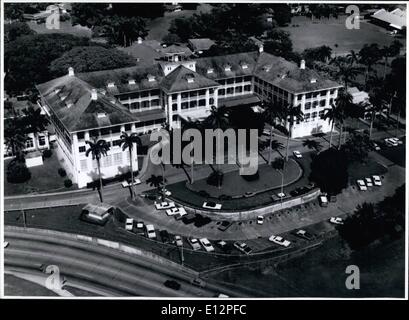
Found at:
(395, 154)
(14, 286)
(315, 33)
(181, 193)
(43, 178)
(236, 185)
(365, 170)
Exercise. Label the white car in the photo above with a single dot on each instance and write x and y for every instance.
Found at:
(297, 154)
(281, 195)
(129, 224)
(206, 244)
(178, 241)
(279, 240)
(175, 210)
(260, 219)
(194, 243)
(212, 205)
(361, 185)
(376, 146)
(126, 184)
(164, 205)
(5, 244)
(336, 220)
(369, 182)
(391, 142)
(396, 140)
(150, 231)
(377, 180)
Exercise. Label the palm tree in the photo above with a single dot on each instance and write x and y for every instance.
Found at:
(35, 122)
(271, 114)
(389, 52)
(98, 149)
(369, 55)
(347, 71)
(312, 145)
(337, 114)
(291, 114)
(377, 104)
(127, 142)
(156, 181)
(191, 124)
(218, 119)
(279, 165)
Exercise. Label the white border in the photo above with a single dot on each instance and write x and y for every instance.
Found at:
(172, 298)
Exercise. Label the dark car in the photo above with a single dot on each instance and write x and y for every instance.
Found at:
(225, 225)
(303, 234)
(172, 284)
(189, 218)
(164, 234)
(201, 221)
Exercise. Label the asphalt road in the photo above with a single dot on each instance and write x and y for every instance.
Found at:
(100, 267)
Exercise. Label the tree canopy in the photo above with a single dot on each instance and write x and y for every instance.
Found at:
(28, 57)
(92, 58)
(16, 29)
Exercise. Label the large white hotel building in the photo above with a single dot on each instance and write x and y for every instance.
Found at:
(140, 99)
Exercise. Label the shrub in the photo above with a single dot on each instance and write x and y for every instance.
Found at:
(224, 197)
(67, 183)
(17, 172)
(251, 177)
(62, 172)
(204, 194)
(47, 153)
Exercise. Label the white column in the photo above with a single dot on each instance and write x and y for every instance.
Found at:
(134, 150)
(89, 158)
(215, 97)
(207, 97)
(170, 113)
(179, 102)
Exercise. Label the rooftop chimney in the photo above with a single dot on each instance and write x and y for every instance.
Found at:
(139, 40)
(94, 95)
(302, 64)
(71, 71)
(260, 48)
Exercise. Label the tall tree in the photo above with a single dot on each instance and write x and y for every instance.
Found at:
(35, 122)
(369, 55)
(388, 52)
(377, 104)
(127, 142)
(347, 70)
(312, 145)
(98, 149)
(290, 114)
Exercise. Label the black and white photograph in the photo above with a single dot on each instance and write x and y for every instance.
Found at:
(203, 150)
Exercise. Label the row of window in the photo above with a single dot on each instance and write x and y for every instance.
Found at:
(30, 142)
(233, 90)
(138, 95)
(192, 94)
(234, 80)
(316, 94)
(144, 104)
(115, 159)
(313, 115)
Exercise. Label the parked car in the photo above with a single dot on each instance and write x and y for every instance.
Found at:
(390, 142)
(139, 226)
(129, 224)
(303, 234)
(368, 182)
(127, 183)
(201, 221)
(180, 214)
(178, 241)
(266, 132)
(164, 234)
(243, 247)
(164, 205)
(361, 185)
(212, 205)
(336, 220)
(224, 225)
(189, 218)
(260, 219)
(396, 140)
(279, 240)
(206, 244)
(198, 282)
(281, 195)
(150, 231)
(194, 243)
(377, 180)
(172, 284)
(297, 154)
(376, 146)
(323, 200)
(175, 210)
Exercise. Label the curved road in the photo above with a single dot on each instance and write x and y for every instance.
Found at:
(92, 265)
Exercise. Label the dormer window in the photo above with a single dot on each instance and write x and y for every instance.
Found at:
(227, 67)
(111, 84)
(244, 65)
(313, 80)
(63, 98)
(210, 70)
(69, 104)
(190, 79)
(151, 78)
(131, 81)
(101, 114)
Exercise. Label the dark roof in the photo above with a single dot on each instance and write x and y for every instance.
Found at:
(201, 44)
(145, 54)
(177, 80)
(218, 64)
(248, 99)
(289, 76)
(70, 99)
(174, 49)
(121, 77)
